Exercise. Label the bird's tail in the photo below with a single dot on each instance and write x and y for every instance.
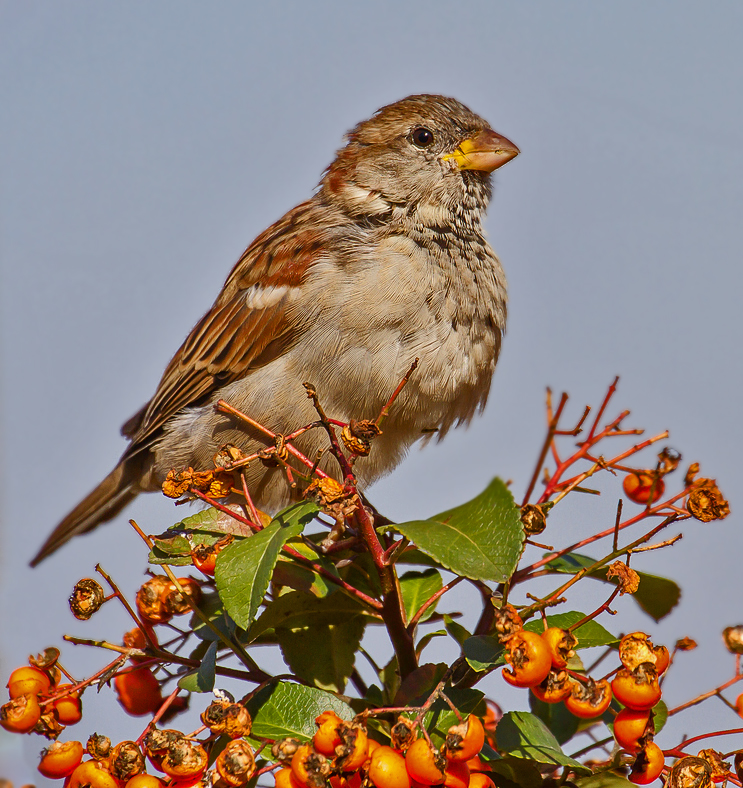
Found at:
(103, 503)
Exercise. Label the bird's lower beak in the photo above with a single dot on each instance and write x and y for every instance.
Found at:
(486, 152)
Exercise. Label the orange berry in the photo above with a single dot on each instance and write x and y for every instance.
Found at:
(61, 759)
(138, 691)
(739, 705)
(637, 689)
(126, 760)
(144, 781)
(424, 764)
(465, 740)
(648, 765)
(643, 487)
(589, 700)
(354, 747)
(477, 764)
(150, 600)
(560, 643)
(556, 687)
(327, 737)
(478, 780)
(185, 759)
(21, 714)
(387, 769)
(529, 657)
(629, 726)
(346, 781)
(28, 680)
(236, 763)
(662, 659)
(456, 775)
(69, 708)
(285, 778)
(309, 767)
(91, 774)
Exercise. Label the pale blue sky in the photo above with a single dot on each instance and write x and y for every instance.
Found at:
(145, 144)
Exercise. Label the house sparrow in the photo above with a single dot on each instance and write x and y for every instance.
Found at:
(386, 263)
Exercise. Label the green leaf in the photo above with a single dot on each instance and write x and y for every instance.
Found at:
(416, 588)
(295, 610)
(301, 578)
(656, 596)
(286, 709)
(604, 780)
(455, 630)
(323, 654)
(244, 568)
(202, 680)
(483, 652)
(660, 710)
(524, 735)
(515, 773)
(426, 639)
(556, 717)
(590, 634)
(481, 539)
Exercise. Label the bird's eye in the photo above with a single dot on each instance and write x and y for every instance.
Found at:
(422, 137)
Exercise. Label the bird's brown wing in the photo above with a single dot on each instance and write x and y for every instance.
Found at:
(246, 327)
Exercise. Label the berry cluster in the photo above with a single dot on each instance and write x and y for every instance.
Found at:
(343, 755)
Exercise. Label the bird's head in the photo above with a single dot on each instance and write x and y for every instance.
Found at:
(424, 150)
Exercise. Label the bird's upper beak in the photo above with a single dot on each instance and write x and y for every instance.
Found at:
(486, 151)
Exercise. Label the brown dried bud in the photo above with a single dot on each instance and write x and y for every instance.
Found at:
(86, 598)
(507, 621)
(706, 502)
(221, 485)
(149, 599)
(636, 649)
(46, 660)
(283, 750)
(126, 760)
(402, 734)
(690, 772)
(236, 763)
(135, 638)
(668, 460)
(232, 719)
(227, 456)
(325, 491)
(685, 644)
(627, 579)
(690, 474)
(175, 603)
(48, 726)
(733, 638)
(719, 767)
(177, 482)
(533, 518)
(98, 746)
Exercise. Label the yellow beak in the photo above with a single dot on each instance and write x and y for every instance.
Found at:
(486, 152)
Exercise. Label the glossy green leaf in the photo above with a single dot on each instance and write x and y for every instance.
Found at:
(202, 680)
(483, 652)
(556, 717)
(426, 639)
(656, 596)
(523, 735)
(287, 709)
(604, 780)
(323, 654)
(481, 539)
(455, 630)
(515, 773)
(244, 568)
(416, 588)
(295, 610)
(590, 634)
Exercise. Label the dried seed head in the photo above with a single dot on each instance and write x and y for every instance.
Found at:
(177, 482)
(533, 518)
(48, 726)
(227, 455)
(283, 750)
(325, 491)
(706, 502)
(690, 474)
(126, 760)
(98, 746)
(719, 767)
(507, 621)
(733, 638)
(86, 598)
(46, 660)
(690, 772)
(402, 734)
(636, 649)
(231, 719)
(685, 644)
(149, 599)
(236, 763)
